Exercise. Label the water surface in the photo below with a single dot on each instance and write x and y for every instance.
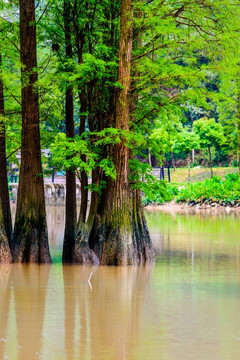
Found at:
(185, 307)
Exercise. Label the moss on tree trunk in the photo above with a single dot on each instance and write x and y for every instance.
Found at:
(5, 253)
(120, 234)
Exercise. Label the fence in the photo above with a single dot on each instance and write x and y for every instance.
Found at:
(165, 173)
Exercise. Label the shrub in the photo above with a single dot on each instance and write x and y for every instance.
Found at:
(212, 190)
(235, 163)
(158, 192)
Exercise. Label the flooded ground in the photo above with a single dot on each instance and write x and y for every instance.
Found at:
(185, 307)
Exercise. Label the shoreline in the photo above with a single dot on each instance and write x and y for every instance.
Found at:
(173, 206)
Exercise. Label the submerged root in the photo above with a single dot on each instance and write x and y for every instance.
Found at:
(32, 247)
(121, 236)
(5, 253)
(124, 250)
(83, 254)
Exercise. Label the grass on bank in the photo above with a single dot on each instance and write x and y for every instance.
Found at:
(222, 189)
(180, 176)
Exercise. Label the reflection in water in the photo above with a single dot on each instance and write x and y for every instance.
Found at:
(30, 285)
(5, 296)
(186, 307)
(106, 318)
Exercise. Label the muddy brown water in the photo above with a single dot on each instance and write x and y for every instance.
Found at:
(185, 307)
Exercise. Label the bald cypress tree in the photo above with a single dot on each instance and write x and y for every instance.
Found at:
(120, 235)
(4, 194)
(30, 232)
(71, 212)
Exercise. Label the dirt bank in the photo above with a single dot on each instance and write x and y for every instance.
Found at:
(174, 207)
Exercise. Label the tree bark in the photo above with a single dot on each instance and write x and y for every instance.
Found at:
(84, 177)
(119, 231)
(80, 40)
(5, 253)
(149, 157)
(30, 232)
(70, 206)
(173, 162)
(4, 193)
(82, 253)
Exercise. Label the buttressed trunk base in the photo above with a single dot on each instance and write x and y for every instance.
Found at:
(120, 235)
(31, 241)
(5, 253)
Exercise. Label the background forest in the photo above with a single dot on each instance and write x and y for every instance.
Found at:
(120, 86)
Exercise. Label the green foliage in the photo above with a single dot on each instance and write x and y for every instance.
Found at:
(67, 153)
(209, 131)
(186, 141)
(212, 190)
(185, 59)
(158, 192)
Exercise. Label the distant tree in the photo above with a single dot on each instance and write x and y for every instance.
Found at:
(210, 134)
(163, 135)
(186, 141)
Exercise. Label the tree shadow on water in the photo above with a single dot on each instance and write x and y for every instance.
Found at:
(103, 315)
(5, 291)
(30, 288)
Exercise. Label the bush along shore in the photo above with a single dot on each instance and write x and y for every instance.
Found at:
(210, 192)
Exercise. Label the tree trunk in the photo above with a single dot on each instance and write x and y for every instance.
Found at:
(4, 194)
(83, 254)
(119, 231)
(80, 40)
(149, 157)
(193, 155)
(30, 232)
(70, 206)
(173, 162)
(188, 161)
(5, 253)
(210, 161)
(84, 177)
(238, 122)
